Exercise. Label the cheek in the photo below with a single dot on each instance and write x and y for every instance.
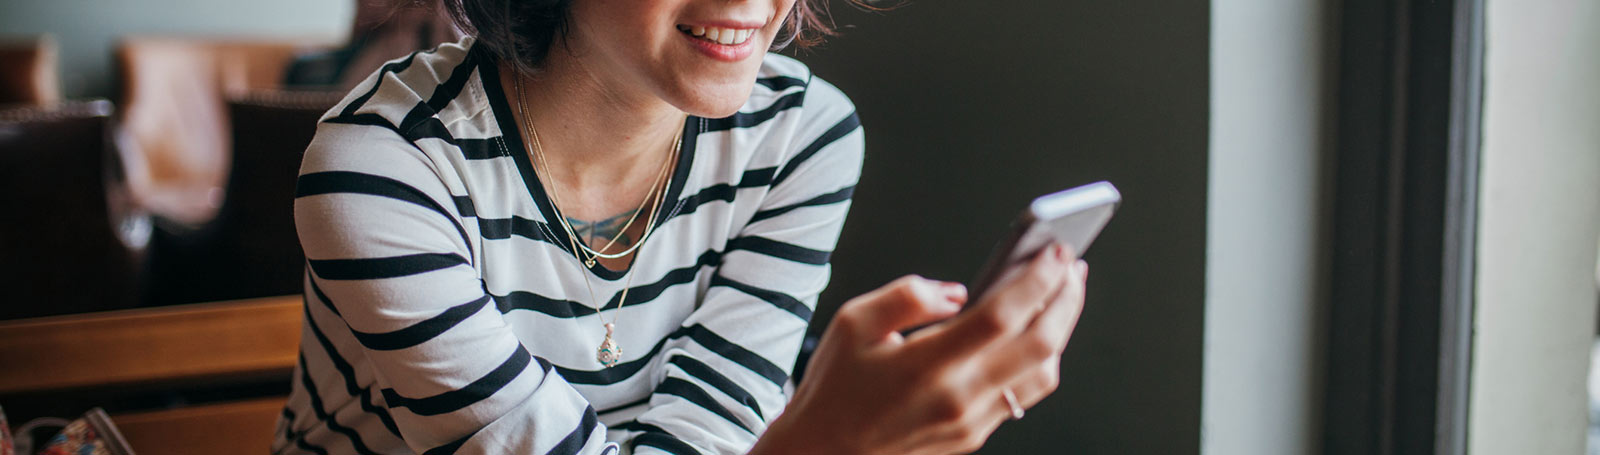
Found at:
(625, 27)
(782, 9)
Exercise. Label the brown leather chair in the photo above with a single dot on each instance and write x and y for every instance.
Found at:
(250, 248)
(67, 222)
(174, 118)
(31, 73)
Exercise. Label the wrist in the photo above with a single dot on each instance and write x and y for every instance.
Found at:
(789, 435)
(779, 439)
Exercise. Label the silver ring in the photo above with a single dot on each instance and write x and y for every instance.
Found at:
(1011, 400)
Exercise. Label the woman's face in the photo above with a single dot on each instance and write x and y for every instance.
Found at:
(698, 55)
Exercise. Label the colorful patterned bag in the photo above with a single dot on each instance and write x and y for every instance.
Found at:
(92, 434)
(7, 446)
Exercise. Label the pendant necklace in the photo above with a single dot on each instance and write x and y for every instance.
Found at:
(609, 353)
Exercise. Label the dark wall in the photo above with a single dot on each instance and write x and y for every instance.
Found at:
(972, 108)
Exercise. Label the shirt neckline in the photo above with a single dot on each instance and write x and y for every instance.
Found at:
(511, 135)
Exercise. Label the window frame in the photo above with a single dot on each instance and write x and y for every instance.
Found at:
(1408, 129)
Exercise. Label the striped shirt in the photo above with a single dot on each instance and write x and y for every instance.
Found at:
(442, 314)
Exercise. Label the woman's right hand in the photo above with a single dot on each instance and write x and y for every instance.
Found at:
(870, 390)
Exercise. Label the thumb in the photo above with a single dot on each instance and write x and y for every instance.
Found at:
(905, 303)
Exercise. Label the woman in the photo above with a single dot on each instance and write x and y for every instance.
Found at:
(596, 226)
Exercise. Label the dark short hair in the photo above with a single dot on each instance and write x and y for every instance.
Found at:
(522, 31)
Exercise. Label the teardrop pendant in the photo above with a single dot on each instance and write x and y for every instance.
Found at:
(609, 352)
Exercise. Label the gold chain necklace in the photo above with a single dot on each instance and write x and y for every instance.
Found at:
(588, 255)
(609, 353)
(591, 255)
(555, 196)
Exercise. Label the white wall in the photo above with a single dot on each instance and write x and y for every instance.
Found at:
(1262, 388)
(1540, 219)
(86, 29)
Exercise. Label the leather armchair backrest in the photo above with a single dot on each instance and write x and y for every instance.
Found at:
(65, 216)
(174, 118)
(250, 248)
(31, 73)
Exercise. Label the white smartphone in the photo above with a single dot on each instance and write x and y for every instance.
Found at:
(1073, 217)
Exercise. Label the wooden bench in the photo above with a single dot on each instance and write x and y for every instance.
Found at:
(157, 349)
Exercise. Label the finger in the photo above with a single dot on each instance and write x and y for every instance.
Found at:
(1015, 357)
(1060, 317)
(1034, 362)
(908, 302)
(1005, 309)
(983, 413)
(1001, 411)
(1043, 340)
(1028, 289)
(1038, 383)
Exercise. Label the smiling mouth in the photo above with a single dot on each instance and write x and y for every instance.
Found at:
(719, 35)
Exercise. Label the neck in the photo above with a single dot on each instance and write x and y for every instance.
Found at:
(590, 131)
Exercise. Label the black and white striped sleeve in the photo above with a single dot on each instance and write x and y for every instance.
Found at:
(719, 386)
(394, 289)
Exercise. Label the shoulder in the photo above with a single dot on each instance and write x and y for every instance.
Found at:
(793, 112)
(786, 82)
(422, 80)
(405, 115)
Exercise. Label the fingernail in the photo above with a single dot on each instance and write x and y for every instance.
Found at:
(955, 290)
(948, 306)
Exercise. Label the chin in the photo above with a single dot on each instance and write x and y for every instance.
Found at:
(722, 108)
(715, 100)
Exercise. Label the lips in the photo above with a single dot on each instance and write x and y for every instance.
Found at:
(719, 35)
(723, 40)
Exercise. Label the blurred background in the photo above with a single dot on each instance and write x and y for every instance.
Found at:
(1349, 226)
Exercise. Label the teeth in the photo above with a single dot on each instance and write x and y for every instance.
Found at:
(724, 36)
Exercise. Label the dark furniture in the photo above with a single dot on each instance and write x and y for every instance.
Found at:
(67, 220)
(31, 73)
(172, 94)
(250, 248)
